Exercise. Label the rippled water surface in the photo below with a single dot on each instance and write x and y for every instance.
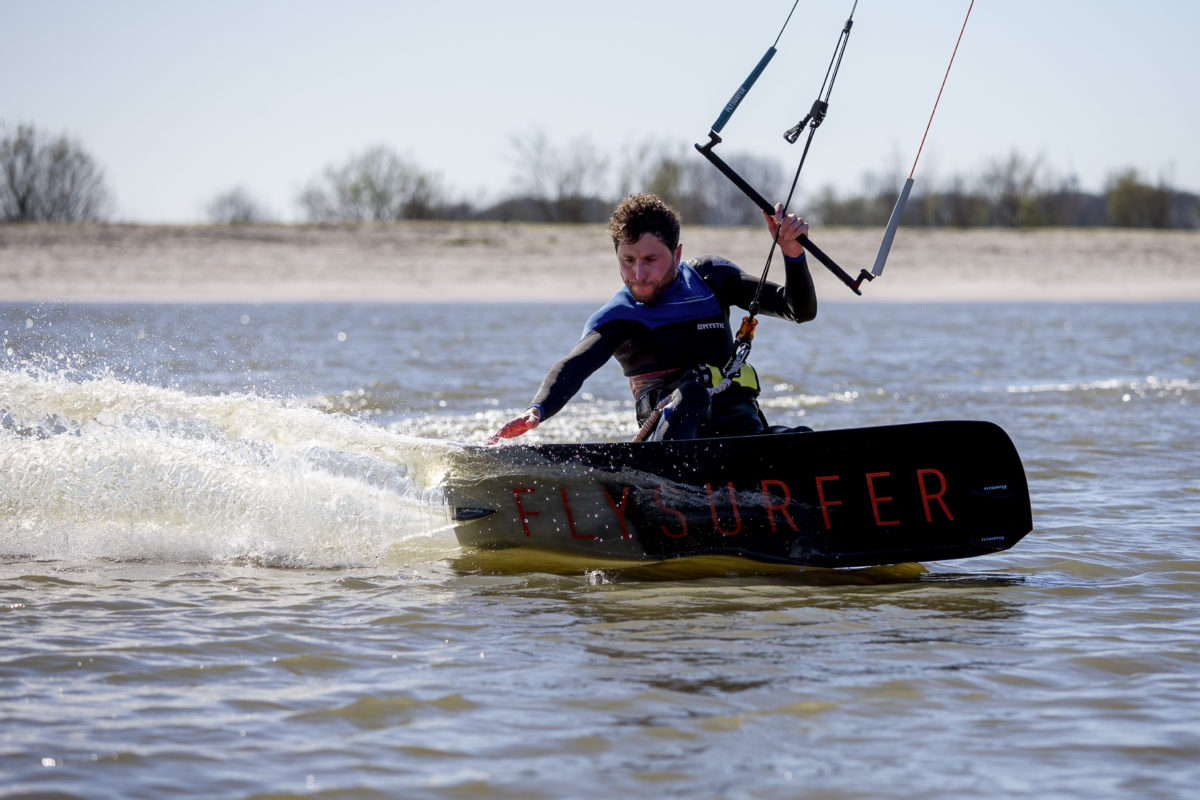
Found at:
(226, 572)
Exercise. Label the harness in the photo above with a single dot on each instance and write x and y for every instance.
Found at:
(710, 375)
(744, 377)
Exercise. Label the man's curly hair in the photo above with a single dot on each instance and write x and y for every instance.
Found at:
(644, 213)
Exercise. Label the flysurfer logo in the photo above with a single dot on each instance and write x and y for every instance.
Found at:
(826, 502)
(710, 326)
(737, 98)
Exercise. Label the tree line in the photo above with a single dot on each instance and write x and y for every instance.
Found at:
(51, 178)
(1014, 191)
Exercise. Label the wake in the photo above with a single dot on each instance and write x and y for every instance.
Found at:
(103, 468)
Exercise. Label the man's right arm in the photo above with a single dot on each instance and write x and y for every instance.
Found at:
(567, 376)
(561, 383)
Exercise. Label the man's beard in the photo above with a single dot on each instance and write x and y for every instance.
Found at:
(656, 289)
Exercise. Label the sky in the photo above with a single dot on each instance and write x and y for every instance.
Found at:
(179, 101)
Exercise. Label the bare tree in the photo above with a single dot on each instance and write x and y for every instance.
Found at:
(1012, 184)
(565, 183)
(729, 206)
(376, 185)
(668, 170)
(959, 205)
(693, 187)
(46, 179)
(236, 207)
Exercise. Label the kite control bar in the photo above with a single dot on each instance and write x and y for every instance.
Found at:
(706, 150)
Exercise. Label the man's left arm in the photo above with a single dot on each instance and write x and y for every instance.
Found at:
(796, 300)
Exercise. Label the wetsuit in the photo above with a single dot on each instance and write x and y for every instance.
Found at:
(661, 344)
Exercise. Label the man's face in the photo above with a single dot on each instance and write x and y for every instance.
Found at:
(647, 266)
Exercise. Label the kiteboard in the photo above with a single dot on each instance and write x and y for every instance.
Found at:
(857, 497)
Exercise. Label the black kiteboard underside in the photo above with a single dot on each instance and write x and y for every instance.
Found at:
(841, 498)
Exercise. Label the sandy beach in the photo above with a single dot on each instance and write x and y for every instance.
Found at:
(489, 261)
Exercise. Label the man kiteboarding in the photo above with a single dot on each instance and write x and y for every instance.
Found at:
(669, 328)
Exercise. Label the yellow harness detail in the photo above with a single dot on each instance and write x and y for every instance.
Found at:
(746, 376)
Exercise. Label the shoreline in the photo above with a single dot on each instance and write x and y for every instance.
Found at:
(534, 262)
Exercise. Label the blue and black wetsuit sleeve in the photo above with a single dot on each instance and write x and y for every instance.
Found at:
(795, 300)
(567, 376)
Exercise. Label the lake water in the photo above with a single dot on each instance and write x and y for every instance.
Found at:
(226, 572)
